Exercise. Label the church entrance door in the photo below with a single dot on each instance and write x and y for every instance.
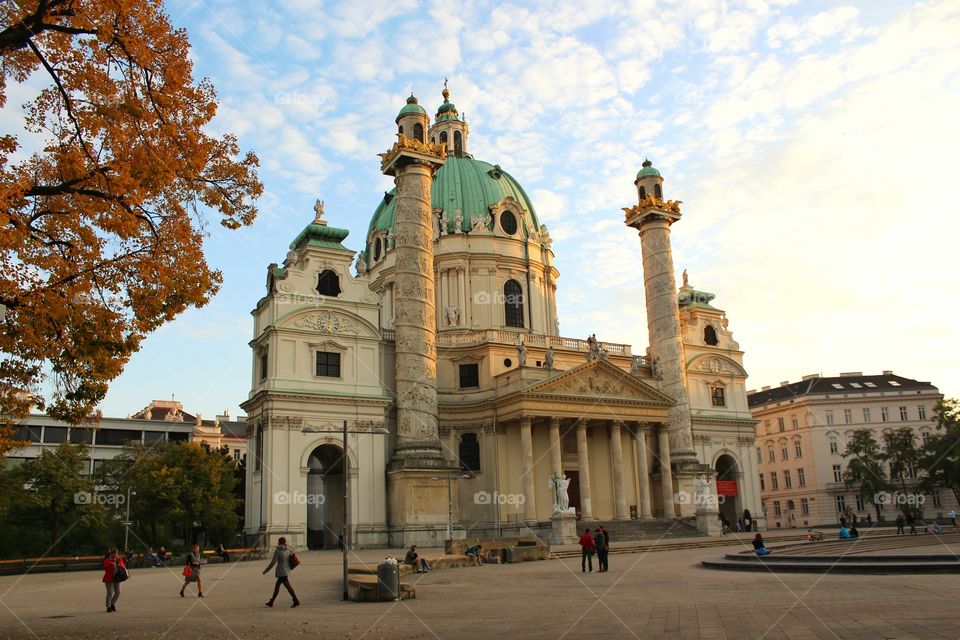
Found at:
(324, 499)
(573, 491)
(728, 490)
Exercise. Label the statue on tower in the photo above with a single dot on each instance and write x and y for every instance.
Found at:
(318, 211)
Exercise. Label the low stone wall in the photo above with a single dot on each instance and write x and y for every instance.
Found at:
(524, 548)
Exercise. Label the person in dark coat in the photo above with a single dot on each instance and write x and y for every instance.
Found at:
(600, 546)
(900, 524)
(193, 561)
(281, 559)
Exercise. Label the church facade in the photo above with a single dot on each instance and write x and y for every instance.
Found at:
(439, 347)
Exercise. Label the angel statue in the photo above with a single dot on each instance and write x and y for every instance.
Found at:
(559, 484)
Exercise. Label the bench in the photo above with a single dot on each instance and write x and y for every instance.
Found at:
(245, 553)
(522, 548)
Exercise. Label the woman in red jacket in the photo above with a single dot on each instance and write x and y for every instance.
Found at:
(586, 551)
(110, 563)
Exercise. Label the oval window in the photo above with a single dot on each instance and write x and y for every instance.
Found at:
(508, 222)
(377, 249)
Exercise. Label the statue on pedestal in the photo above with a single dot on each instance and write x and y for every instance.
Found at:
(561, 501)
(548, 358)
(522, 354)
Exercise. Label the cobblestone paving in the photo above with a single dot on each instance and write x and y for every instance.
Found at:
(652, 595)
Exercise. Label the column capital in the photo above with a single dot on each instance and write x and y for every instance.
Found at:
(554, 421)
(618, 423)
(526, 421)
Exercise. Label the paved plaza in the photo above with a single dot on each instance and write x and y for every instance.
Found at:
(644, 595)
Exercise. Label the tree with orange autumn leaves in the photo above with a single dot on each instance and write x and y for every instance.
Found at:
(102, 225)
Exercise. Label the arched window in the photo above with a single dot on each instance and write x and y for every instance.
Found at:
(258, 455)
(657, 191)
(328, 283)
(443, 138)
(710, 335)
(513, 304)
(418, 132)
(399, 128)
(377, 249)
(643, 192)
(457, 144)
(469, 453)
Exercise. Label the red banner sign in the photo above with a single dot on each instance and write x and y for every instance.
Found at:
(727, 488)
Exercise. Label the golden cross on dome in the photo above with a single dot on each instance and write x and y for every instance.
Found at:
(445, 92)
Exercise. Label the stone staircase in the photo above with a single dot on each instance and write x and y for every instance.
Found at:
(646, 530)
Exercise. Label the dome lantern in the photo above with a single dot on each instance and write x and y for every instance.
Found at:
(649, 182)
(448, 128)
(413, 121)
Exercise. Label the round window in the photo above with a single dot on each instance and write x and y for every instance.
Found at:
(508, 222)
(507, 362)
(377, 249)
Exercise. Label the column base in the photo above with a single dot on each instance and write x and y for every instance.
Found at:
(708, 522)
(684, 486)
(419, 504)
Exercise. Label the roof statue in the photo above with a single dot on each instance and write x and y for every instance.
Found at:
(318, 211)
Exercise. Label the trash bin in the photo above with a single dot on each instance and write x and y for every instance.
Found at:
(388, 581)
(508, 555)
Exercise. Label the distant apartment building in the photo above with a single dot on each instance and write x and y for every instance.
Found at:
(803, 429)
(160, 421)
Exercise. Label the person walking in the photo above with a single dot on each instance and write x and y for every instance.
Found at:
(113, 565)
(281, 559)
(912, 522)
(899, 523)
(193, 575)
(953, 518)
(587, 547)
(600, 545)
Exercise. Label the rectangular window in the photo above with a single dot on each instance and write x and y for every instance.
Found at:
(469, 376)
(801, 478)
(924, 437)
(780, 425)
(859, 502)
(153, 437)
(328, 364)
(771, 456)
(774, 482)
(759, 455)
(80, 435)
(776, 508)
(117, 437)
(176, 436)
(848, 416)
(794, 422)
(834, 445)
(829, 416)
(25, 433)
(837, 473)
(797, 449)
(804, 506)
(841, 504)
(717, 397)
(787, 480)
(866, 414)
(884, 414)
(922, 412)
(763, 487)
(783, 453)
(936, 499)
(263, 366)
(903, 414)
(54, 435)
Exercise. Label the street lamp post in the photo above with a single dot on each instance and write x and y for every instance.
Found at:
(450, 477)
(126, 522)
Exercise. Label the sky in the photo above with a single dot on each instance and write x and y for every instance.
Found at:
(813, 145)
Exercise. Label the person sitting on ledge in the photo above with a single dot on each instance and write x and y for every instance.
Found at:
(853, 531)
(479, 557)
(414, 559)
(845, 533)
(759, 546)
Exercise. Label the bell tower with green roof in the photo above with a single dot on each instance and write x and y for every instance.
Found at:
(448, 128)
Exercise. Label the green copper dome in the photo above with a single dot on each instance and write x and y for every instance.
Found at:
(463, 185)
(648, 171)
(412, 106)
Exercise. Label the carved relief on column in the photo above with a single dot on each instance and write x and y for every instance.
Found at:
(526, 454)
(461, 294)
(666, 474)
(643, 469)
(583, 460)
(616, 450)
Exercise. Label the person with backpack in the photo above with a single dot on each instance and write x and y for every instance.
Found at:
(600, 545)
(191, 572)
(286, 561)
(114, 572)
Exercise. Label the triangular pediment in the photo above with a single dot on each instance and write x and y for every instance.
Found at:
(599, 379)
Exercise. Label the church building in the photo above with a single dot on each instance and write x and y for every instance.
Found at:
(438, 344)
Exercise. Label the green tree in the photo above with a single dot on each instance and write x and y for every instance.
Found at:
(903, 457)
(180, 487)
(865, 470)
(940, 456)
(54, 497)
